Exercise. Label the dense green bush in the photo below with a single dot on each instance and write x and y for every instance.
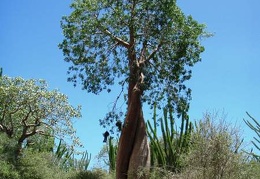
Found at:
(7, 171)
(94, 174)
(36, 165)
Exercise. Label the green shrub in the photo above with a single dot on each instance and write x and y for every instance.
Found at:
(94, 174)
(7, 171)
(35, 165)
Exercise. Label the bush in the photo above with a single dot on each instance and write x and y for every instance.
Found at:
(36, 165)
(215, 151)
(94, 174)
(7, 171)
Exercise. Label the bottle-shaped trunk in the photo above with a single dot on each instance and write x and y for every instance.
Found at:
(133, 151)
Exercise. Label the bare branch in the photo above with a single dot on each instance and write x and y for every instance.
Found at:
(115, 103)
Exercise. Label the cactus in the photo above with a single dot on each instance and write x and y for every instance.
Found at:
(112, 151)
(167, 151)
(66, 159)
(83, 163)
(254, 126)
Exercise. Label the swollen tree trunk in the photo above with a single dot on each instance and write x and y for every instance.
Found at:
(133, 151)
(140, 157)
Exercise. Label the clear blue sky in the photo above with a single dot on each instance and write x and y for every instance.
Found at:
(226, 79)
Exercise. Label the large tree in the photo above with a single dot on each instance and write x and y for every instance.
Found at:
(28, 109)
(148, 45)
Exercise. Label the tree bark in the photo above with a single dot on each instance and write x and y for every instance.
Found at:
(133, 151)
(139, 164)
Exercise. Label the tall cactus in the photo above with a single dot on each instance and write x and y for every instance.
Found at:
(112, 151)
(254, 126)
(82, 163)
(67, 160)
(166, 151)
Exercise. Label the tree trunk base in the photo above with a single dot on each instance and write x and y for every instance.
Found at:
(133, 151)
(139, 164)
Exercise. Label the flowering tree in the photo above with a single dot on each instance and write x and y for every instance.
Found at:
(28, 109)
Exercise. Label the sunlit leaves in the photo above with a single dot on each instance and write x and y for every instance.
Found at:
(97, 34)
(29, 108)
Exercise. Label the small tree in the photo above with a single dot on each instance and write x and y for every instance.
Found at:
(28, 109)
(147, 45)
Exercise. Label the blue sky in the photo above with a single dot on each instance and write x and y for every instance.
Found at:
(226, 79)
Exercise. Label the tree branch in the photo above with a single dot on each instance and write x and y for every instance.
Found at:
(155, 50)
(107, 32)
(122, 90)
(131, 28)
(119, 40)
(142, 55)
(8, 132)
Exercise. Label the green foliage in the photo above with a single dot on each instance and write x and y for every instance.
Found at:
(31, 118)
(8, 171)
(251, 170)
(39, 165)
(255, 126)
(41, 143)
(28, 109)
(168, 152)
(95, 174)
(7, 162)
(106, 40)
(7, 148)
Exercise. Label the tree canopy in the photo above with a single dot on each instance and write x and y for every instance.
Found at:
(28, 108)
(99, 34)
